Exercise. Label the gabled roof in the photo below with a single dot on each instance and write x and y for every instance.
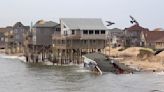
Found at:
(115, 30)
(158, 29)
(136, 27)
(18, 24)
(84, 23)
(42, 23)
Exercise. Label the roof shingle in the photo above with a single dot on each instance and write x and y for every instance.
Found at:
(42, 23)
(84, 23)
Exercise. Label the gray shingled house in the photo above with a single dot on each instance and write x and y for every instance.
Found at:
(15, 38)
(39, 39)
(2, 37)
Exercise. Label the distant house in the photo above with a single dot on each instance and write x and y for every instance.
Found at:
(2, 37)
(15, 38)
(134, 35)
(154, 39)
(116, 37)
(18, 35)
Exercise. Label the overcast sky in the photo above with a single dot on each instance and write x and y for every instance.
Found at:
(149, 13)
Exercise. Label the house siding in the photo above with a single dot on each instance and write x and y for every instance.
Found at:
(43, 36)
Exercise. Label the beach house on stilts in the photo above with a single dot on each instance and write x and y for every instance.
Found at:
(78, 36)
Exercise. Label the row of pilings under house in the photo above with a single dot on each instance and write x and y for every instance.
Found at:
(35, 54)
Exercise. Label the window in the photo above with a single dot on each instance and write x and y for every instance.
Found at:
(73, 32)
(85, 41)
(97, 32)
(2, 38)
(102, 31)
(90, 31)
(57, 29)
(85, 32)
(62, 42)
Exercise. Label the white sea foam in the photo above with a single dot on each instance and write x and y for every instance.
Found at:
(22, 58)
(8, 56)
(83, 70)
(160, 73)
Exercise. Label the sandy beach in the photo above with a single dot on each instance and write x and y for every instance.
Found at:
(131, 58)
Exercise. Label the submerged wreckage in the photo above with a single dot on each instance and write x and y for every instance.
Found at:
(98, 62)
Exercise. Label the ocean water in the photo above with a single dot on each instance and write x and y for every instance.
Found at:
(16, 76)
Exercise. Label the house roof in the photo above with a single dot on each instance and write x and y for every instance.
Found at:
(115, 30)
(158, 29)
(18, 24)
(136, 27)
(84, 23)
(42, 23)
(3, 30)
(153, 36)
(58, 25)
